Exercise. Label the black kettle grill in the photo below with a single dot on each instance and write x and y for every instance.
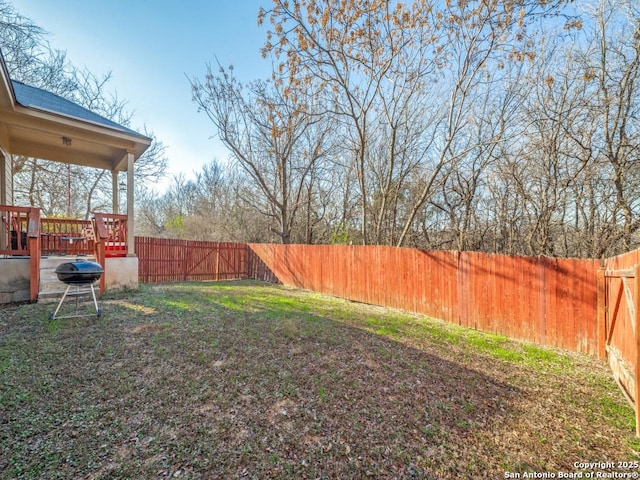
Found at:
(81, 273)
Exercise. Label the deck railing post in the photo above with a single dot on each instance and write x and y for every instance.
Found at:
(33, 247)
(100, 255)
(101, 235)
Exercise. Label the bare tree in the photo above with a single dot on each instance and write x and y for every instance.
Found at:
(614, 61)
(274, 145)
(369, 60)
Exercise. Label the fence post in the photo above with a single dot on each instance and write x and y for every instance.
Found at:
(217, 261)
(636, 320)
(250, 273)
(459, 297)
(185, 263)
(601, 334)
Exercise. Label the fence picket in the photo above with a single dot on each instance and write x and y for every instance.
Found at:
(170, 260)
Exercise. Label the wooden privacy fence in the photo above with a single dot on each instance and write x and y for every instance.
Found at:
(169, 260)
(548, 301)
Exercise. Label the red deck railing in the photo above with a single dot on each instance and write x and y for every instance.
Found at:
(20, 235)
(23, 233)
(111, 238)
(14, 222)
(111, 229)
(66, 236)
(62, 235)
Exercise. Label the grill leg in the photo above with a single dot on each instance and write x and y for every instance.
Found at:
(60, 304)
(95, 302)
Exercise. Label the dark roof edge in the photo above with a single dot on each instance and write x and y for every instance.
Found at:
(111, 125)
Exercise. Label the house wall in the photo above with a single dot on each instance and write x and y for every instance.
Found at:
(14, 280)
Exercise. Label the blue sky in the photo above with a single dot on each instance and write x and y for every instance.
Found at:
(150, 46)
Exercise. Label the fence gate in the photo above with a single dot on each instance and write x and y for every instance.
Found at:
(622, 332)
(171, 260)
(214, 260)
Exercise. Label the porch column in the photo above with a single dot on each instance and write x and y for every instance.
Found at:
(114, 191)
(130, 226)
(6, 179)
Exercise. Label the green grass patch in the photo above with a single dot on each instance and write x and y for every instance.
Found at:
(616, 411)
(383, 326)
(415, 329)
(179, 305)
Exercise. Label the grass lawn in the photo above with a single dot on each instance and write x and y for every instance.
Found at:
(249, 380)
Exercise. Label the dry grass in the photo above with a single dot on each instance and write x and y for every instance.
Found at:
(246, 380)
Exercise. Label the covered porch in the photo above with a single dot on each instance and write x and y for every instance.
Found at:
(38, 124)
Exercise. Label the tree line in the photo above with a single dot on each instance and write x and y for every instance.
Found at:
(500, 126)
(506, 127)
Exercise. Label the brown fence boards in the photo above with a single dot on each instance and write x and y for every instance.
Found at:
(623, 338)
(544, 300)
(170, 260)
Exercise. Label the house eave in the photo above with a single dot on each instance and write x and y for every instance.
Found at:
(82, 121)
(42, 134)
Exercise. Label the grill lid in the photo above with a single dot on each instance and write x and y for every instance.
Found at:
(79, 272)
